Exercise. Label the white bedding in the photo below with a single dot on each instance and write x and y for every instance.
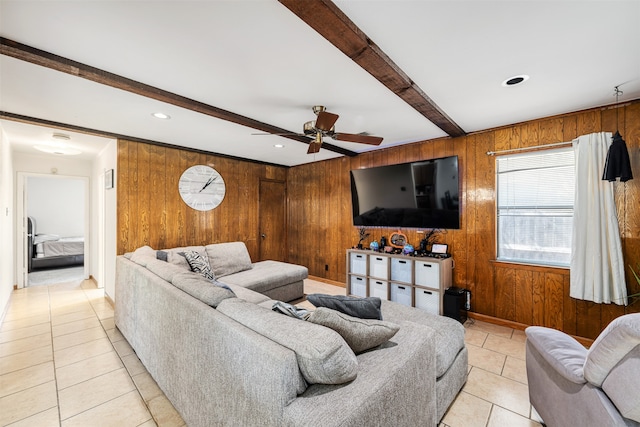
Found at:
(62, 246)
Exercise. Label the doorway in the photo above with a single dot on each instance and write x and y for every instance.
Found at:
(273, 220)
(53, 238)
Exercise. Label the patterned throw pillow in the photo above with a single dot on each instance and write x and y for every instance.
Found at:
(199, 263)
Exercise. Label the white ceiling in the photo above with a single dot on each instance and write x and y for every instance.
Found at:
(257, 59)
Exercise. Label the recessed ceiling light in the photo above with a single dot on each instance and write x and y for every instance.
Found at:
(279, 145)
(515, 80)
(62, 151)
(162, 116)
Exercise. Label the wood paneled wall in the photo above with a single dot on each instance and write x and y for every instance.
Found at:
(320, 224)
(151, 211)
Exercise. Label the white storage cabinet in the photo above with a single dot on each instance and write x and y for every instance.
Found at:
(413, 281)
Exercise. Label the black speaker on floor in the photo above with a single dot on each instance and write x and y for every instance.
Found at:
(456, 303)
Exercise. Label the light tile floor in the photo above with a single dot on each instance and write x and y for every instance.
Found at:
(63, 363)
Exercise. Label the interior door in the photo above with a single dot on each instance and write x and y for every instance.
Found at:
(273, 220)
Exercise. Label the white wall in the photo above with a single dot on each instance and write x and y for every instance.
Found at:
(7, 259)
(56, 205)
(103, 252)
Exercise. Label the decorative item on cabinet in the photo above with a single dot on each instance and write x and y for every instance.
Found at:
(363, 233)
(398, 240)
(374, 246)
(383, 242)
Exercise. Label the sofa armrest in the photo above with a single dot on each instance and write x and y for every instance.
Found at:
(563, 353)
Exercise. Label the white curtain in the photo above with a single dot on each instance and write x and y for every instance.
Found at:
(597, 266)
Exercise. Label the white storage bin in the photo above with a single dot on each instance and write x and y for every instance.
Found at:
(358, 263)
(401, 270)
(379, 266)
(358, 286)
(427, 274)
(378, 288)
(401, 294)
(428, 300)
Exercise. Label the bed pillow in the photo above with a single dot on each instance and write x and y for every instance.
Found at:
(360, 334)
(364, 308)
(199, 263)
(40, 238)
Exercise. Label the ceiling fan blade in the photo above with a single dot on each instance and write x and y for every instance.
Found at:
(361, 139)
(314, 147)
(277, 134)
(325, 121)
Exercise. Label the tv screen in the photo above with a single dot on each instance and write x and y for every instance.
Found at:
(422, 194)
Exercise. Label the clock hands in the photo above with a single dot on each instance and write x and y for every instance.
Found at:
(211, 179)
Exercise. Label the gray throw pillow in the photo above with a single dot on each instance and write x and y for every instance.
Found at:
(228, 258)
(323, 356)
(199, 263)
(364, 308)
(360, 334)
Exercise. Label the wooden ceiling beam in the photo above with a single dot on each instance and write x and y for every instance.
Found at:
(49, 60)
(332, 24)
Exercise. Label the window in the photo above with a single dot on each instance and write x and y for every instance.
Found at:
(535, 206)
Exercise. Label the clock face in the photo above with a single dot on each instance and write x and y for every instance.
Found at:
(201, 187)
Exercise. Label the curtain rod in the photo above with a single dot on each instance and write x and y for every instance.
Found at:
(513, 150)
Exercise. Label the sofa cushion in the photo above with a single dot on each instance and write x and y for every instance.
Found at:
(365, 308)
(142, 255)
(267, 275)
(228, 258)
(164, 269)
(611, 346)
(360, 334)
(323, 356)
(199, 263)
(449, 332)
(247, 294)
(174, 257)
(210, 293)
(622, 385)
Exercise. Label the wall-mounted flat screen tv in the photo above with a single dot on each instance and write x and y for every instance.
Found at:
(423, 194)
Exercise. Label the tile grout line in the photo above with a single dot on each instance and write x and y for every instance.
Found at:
(122, 361)
(53, 358)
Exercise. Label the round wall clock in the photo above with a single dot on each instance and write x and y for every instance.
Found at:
(201, 187)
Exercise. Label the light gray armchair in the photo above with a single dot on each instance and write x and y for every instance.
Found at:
(572, 386)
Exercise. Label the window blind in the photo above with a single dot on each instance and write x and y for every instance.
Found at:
(535, 195)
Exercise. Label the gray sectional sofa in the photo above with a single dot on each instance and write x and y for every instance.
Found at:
(223, 357)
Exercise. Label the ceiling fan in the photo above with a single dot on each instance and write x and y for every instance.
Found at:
(324, 125)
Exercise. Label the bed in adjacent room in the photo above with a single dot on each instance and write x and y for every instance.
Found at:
(51, 251)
